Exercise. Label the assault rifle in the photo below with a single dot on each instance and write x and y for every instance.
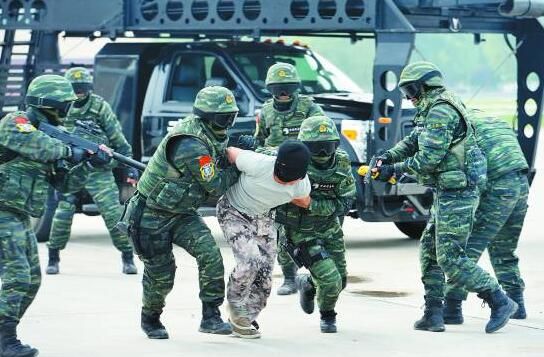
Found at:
(76, 141)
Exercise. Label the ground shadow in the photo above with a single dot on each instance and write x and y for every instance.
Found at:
(381, 243)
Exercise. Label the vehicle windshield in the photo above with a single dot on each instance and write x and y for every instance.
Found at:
(318, 75)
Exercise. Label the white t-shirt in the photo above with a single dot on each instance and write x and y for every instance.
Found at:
(256, 191)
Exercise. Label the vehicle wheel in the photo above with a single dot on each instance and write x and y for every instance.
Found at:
(412, 229)
(42, 225)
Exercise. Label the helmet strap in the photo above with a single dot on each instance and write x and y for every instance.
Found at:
(284, 105)
(80, 102)
(323, 162)
(213, 130)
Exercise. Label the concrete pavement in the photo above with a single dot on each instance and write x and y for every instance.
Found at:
(92, 310)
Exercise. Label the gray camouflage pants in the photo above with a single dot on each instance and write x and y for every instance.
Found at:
(253, 243)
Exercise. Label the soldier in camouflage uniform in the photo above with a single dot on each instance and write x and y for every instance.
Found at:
(244, 215)
(30, 161)
(280, 120)
(313, 232)
(187, 168)
(442, 152)
(93, 111)
(500, 214)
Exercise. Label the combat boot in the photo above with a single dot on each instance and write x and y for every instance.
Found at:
(517, 296)
(288, 287)
(432, 319)
(53, 263)
(453, 312)
(212, 322)
(128, 263)
(10, 346)
(152, 326)
(502, 308)
(328, 321)
(306, 292)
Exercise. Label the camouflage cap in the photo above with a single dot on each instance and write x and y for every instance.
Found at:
(415, 71)
(318, 128)
(215, 99)
(282, 73)
(78, 75)
(52, 87)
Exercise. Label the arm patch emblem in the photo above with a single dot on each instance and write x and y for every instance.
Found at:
(23, 125)
(207, 167)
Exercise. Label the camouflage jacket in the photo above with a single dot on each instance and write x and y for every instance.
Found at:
(178, 179)
(333, 192)
(98, 114)
(435, 150)
(499, 144)
(28, 160)
(274, 127)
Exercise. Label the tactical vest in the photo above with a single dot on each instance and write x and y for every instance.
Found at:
(174, 189)
(464, 164)
(499, 143)
(89, 114)
(324, 183)
(23, 183)
(282, 126)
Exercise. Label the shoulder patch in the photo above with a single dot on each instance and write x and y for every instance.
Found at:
(21, 120)
(23, 125)
(207, 167)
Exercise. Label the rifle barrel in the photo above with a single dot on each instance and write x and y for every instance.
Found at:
(129, 162)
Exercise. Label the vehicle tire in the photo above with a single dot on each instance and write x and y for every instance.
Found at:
(42, 225)
(412, 229)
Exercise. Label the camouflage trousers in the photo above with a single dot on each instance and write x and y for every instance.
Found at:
(253, 243)
(103, 189)
(329, 275)
(442, 248)
(288, 267)
(153, 243)
(19, 266)
(497, 227)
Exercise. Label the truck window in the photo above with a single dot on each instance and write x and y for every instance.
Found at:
(194, 71)
(318, 76)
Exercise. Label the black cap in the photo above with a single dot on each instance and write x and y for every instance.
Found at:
(292, 161)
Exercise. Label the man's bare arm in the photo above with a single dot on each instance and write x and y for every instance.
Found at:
(303, 202)
(232, 154)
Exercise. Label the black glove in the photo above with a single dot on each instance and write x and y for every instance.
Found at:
(133, 174)
(247, 142)
(386, 172)
(100, 159)
(77, 155)
(385, 158)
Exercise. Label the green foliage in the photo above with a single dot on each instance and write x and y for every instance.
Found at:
(463, 62)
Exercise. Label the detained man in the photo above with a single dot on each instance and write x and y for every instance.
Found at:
(244, 216)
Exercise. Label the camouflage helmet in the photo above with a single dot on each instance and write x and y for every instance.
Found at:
(282, 73)
(215, 99)
(216, 105)
(78, 75)
(46, 90)
(415, 72)
(318, 128)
